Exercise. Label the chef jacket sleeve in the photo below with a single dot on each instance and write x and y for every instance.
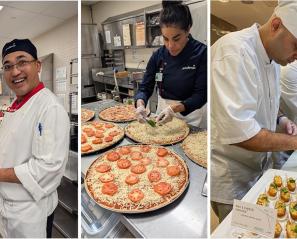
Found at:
(146, 87)
(289, 89)
(234, 98)
(199, 96)
(42, 174)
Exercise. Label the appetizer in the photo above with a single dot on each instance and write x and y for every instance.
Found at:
(291, 229)
(277, 230)
(291, 184)
(272, 191)
(285, 194)
(263, 200)
(280, 206)
(293, 210)
(278, 181)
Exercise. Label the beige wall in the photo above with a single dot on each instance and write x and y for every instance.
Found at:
(63, 42)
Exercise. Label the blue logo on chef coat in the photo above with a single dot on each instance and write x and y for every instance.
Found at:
(193, 67)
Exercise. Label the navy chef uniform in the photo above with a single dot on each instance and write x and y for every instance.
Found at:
(181, 78)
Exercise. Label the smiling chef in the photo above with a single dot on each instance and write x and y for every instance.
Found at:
(34, 141)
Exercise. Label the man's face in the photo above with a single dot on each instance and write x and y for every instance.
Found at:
(175, 39)
(284, 47)
(22, 77)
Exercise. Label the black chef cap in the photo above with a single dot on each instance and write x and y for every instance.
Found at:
(19, 45)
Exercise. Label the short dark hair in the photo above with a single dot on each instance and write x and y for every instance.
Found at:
(175, 13)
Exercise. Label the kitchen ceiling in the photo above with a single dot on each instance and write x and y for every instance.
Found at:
(242, 14)
(89, 3)
(31, 19)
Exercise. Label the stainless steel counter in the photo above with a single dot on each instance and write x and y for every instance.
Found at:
(184, 218)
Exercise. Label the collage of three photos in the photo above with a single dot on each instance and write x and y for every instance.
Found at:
(148, 119)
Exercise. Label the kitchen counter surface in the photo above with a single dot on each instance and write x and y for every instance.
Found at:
(184, 218)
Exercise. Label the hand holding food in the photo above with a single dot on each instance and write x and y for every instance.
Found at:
(141, 114)
(165, 116)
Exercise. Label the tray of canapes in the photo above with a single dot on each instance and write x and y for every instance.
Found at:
(277, 189)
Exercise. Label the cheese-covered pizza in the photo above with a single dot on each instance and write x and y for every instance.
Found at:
(168, 133)
(118, 113)
(97, 135)
(136, 178)
(86, 115)
(195, 147)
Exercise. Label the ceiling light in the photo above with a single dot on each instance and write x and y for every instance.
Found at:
(1, 8)
(224, 1)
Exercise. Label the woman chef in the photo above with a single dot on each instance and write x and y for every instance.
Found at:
(178, 69)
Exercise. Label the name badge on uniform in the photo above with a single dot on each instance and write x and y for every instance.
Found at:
(159, 77)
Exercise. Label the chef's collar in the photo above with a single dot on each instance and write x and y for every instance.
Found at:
(17, 105)
(260, 46)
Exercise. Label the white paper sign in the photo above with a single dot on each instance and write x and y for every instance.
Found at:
(254, 218)
(126, 35)
(107, 37)
(74, 103)
(117, 41)
(61, 85)
(61, 72)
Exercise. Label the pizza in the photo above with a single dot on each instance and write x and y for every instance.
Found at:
(118, 113)
(136, 178)
(97, 135)
(195, 147)
(86, 115)
(168, 133)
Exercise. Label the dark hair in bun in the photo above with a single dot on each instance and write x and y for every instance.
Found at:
(174, 13)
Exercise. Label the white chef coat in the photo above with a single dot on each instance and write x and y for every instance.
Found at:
(244, 99)
(288, 102)
(34, 140)
(197, 118)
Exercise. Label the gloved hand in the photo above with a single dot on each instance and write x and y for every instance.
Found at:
(165, 116)
(140, 114)
(288, 126)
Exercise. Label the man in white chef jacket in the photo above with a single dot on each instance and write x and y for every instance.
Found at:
(245, 103)
(288, 102)
(34, 142)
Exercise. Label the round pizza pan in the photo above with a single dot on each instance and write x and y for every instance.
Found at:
(118, 121)
(115, 121)
(201, 162)
(109, 144)
(90, 118)
(135, 211)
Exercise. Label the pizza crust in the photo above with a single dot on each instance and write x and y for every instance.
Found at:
(167, 134)
(195, 147)
(120, 202)
(98, 147)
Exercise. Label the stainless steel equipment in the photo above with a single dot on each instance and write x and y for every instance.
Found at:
(90, 58)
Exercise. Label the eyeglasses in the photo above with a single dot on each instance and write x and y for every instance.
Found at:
(20, 65)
